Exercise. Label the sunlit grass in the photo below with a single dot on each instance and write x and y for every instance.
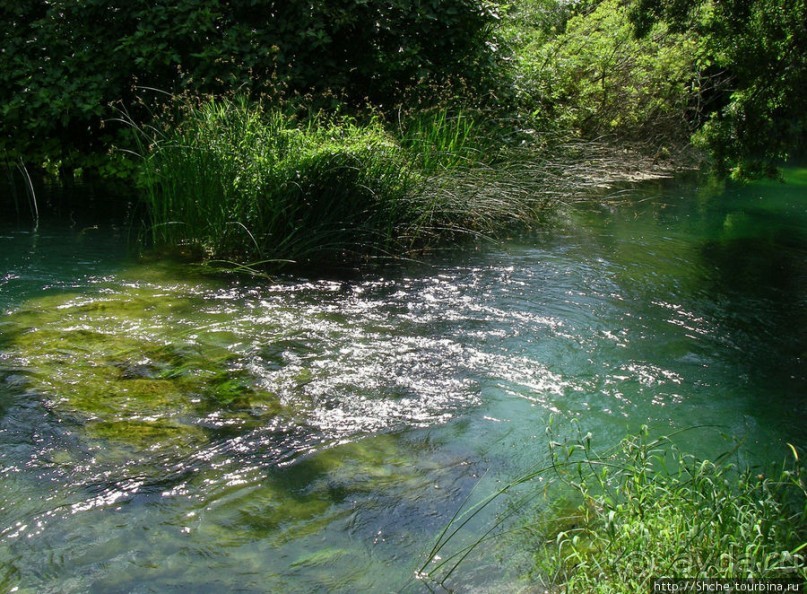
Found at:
(617, 520)
(250, 184)
(441, 140)
(232, 181)
(649, 510)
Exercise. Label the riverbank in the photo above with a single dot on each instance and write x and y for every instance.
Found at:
(616, 521)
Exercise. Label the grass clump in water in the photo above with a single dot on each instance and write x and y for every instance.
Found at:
(250, 184)
(647, 510)
(235, 181)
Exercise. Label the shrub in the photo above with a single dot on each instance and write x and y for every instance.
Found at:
(60, 72)
(596, 77)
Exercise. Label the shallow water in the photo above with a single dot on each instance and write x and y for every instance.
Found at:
(162, 430)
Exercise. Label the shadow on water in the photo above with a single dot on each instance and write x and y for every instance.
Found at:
(758, 259)
(80, 203)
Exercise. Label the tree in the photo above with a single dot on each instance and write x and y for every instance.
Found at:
(754, 54)
(64, 62)
(596, 78)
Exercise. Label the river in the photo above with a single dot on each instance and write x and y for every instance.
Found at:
(164, 430)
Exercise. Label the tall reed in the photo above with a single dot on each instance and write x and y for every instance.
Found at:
(251, 184)
(236, 181)
(28, 184)
(443, 140)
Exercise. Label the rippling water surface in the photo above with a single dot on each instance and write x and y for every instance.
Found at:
(161, 430)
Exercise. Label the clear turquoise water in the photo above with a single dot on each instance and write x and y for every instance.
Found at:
(164, 431)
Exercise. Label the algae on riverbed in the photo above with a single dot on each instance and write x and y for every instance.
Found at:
(122, 365)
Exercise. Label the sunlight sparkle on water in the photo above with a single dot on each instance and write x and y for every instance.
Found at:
(162, 430)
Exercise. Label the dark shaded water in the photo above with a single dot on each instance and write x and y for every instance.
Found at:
(164, 431)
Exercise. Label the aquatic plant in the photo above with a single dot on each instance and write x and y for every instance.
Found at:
(643, 510)
(248, 184)
(238, 182)
(106, 363)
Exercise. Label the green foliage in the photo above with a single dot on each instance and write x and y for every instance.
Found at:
(755, 67)
(438, 140)
(595, 77)
(253, 185)
(733, 70)
(533, 23)
(230, 179)
(53, 79)
(731, 73)
(65, 61)
(648, 510)
(619, 519)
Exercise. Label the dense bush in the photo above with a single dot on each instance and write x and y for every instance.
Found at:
(586, 72)
(732, 71)
(727, 75)
(65, 61)
(754, 64)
